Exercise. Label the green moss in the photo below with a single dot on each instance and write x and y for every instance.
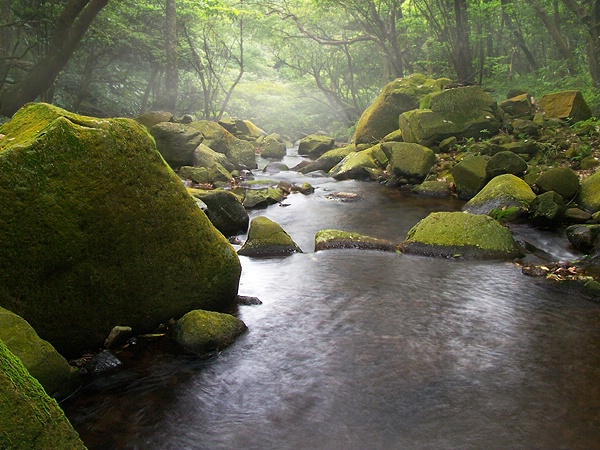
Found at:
(503, 191)
(589, 196)
(96, 230)
(29, 418)
(450, 234)
(204, 331)
(332, 239)
(267, 238)
(562, 180)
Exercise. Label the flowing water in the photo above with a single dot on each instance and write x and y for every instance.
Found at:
(369, 350)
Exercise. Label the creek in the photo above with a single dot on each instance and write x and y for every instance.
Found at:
(360, 349)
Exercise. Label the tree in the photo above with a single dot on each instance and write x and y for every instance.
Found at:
(169, 95)
(70, 28)
(588, 13)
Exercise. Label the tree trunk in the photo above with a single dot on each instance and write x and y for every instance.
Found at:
(169, 101)
(72, 25)
(463, 59)
(561, 44)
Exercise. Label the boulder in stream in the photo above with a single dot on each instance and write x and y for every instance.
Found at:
(338, 239)
(314, 145)
(267, 239)
(503, 194)
(461, 235)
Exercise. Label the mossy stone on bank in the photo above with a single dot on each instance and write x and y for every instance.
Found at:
(458, 234)
(42, 361)
(412, 161)
(97, 231)
(502, 192)
(562, 180)
(470, 176)
(360, 165)
(338, 239)
(328, 160)
(206, 331)
(266, 238)
(29, 418)
(505, 162)
(589, 196)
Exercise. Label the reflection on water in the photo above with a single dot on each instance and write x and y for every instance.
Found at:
(361, 349)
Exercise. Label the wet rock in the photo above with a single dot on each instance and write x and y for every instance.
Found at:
(462, 112)
(397, 97)
(102, 362)
(204, 156)
(433, 189)
(565, 105)
(225, 212)
(562, 180)
(505, 162)
(314, 145)
(273, 148)
(360, 165)
(411, 161)
(502, 192)
(239, 152)
(461, 235)
(118, 336)
(40, 358)
(338, 239)
(176, 143)
(127, 244)
(275, 167)
(470, 176)
(305, 188)
(547, 209)
(30, 418)
(344, 196)
(203, 175)
(327, 160)
(261, 198)
(267, 239)
(248, 301)
(585, 238)
(589, 195)
(202, 332)
(576, 215)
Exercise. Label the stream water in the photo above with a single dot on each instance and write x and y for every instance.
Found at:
(369, 350)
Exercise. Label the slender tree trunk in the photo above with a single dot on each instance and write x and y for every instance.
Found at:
(169, 100)
(561, 44)
(463, 58)
(519, 39)
(71, 27)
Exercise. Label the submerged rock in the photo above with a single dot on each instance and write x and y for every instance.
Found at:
(29, 418)
(42, 361)
(338, 239)
(98, 230)
(204, 331)
(266, 239)
(458, 234)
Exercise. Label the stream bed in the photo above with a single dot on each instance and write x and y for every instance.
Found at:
(369, 350)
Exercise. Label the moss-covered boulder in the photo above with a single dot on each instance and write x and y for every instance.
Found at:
(29, 418)
(328, 160)
(225, 212)
(266, 238)
(505, 162)
(211, 175)
(458, 234)
(243, 129)
(589, 195)
(565, 105)
(432, 189)
(314, 145)
(338, 239)
(151, 118)
(461, 112)
(273, 148)
(176, 142)
(502, 193)
(470, 176)
(241, 153)
(547, 209)
(97, 231)
(562, 180)
(262, 197)
(518, 106)
(206, 331)
(364, 165)
(410, 161)
(585, 238)
(397, 97)
(42, 361)
(204, 156)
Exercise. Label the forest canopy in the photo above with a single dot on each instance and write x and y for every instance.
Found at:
(291, 66)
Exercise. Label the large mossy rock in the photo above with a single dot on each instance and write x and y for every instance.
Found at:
(314, 145)
(502, 193)
(458, 234)
(565, 105)
(470, 176)
(225, 212)
(328, 160)
(204, 156)
(29, 418)
(176, 143)
(505, 162)
(410, 161)
(266, 239)
(397, 97)
(42, 361)
(460, 112)
(364, 165)
(339, 239)
(239, 152)
(562, 180)
(273, 148)
(547, 209)
(589, 195)
(97, 231)
(243, 129)
(518, 106)
(206, 331)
